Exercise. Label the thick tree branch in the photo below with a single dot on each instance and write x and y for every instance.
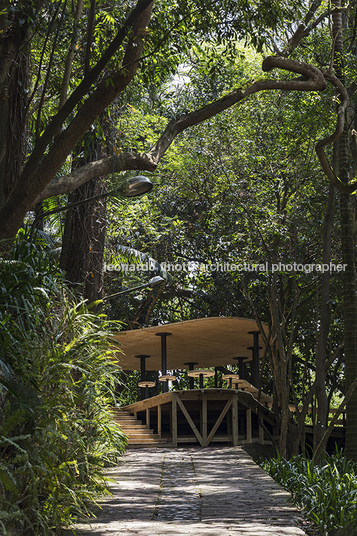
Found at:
(99, 168)
(36, 174)
(305, 28)
(70, 55)
(311, 80)
(83, 88)
(340, 410)
(343, 100)
(301, 30)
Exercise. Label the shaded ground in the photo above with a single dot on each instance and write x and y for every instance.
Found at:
(212, 491)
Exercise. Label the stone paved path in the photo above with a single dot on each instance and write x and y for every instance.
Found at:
(217, 491)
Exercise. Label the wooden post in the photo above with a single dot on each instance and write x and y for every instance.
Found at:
(189, 420)
(219, 420)
(174, 419)
(249, 425)
(204, 420)
(159, 420)
(276, 436)
(147, 417)
(261, 435)
(235, 420)
(229, 424)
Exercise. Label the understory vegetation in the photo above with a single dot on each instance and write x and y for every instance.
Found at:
(56, 388)
(243, 115)
(325, 491)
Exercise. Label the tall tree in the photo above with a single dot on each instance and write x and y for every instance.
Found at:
(109, 73)
(344, 166)
(98, 90)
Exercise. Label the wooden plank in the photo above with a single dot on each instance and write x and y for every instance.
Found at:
(249, 425)
(204, 420)
(247, 400)
(219, 420)
(212, 394)
(174, 419)
(235, 419)
(149, 403)
(218, 439)
(190, 421)
(261, 435)
(159, 420)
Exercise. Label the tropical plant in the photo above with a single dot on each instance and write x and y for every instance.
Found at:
(57, 381)
(326, 492)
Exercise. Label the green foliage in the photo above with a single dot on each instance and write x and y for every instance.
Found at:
(327, 492)
(57, 380)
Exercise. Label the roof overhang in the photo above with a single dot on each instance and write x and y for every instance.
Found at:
(211, 342)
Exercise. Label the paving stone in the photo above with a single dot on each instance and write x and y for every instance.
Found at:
(214, 491)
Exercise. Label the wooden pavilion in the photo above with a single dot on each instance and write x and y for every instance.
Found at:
(234, 414)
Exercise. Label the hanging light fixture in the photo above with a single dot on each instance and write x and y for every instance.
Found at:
(153, 282)
(138, 185)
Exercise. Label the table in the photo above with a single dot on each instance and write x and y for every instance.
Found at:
(230, 377)
(197, 373)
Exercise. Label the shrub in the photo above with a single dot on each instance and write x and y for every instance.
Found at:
(57, 380)
(327, 492)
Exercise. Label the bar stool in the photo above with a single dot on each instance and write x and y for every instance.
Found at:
(167, 378)
(145, 384)
(230, 377)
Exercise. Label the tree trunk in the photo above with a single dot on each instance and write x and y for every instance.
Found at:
(39, 169)
(320, 381)
(349, 313)
(83, 241)
(348, 256)
(279, 368)
(85, 226)
(13, 117)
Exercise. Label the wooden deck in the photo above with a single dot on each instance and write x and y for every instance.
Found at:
(233, 416)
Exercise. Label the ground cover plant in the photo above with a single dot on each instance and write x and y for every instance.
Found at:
(57, 381)
(327, 491)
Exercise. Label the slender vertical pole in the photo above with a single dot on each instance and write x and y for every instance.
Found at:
(144, 391)
(174, 419)
(191, 366)
(163, 336)
(249, 425)
(235, 420)
(159, 420)
(201, 381)
(261, 435)
(261, 430)
(255, 364)
(204, 420)
(240, 360)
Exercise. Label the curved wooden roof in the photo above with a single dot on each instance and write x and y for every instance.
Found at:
(211, 342)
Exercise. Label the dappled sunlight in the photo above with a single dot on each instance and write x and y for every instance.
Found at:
(192, 490)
